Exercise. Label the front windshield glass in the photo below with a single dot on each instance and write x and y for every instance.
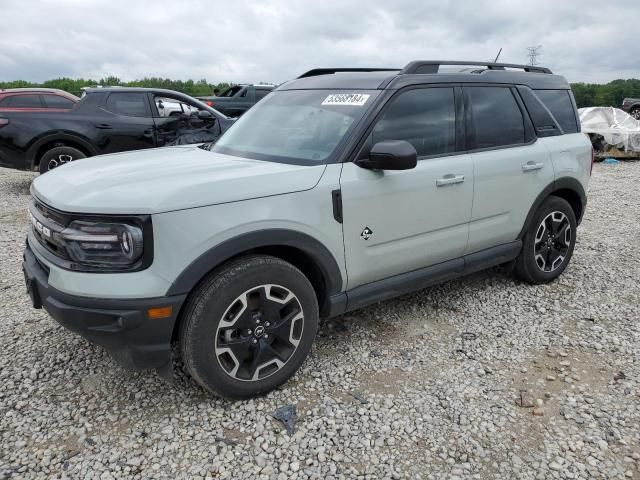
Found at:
(296, 126)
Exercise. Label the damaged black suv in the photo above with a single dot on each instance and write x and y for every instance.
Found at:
(106, 120)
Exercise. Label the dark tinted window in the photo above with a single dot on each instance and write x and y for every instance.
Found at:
(25, 101)
(543, 122)
(560, 105)
(261, 94)
(5, 101)
(56, 101)
(425, 118)
(130, 104)
(496, 118)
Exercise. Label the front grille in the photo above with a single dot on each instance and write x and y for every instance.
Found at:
(49, 223)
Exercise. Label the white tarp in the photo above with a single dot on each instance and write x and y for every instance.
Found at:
(618, 128)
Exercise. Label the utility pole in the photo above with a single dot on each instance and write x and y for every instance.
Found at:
(533, 54)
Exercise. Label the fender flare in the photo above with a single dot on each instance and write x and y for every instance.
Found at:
(58, 136)
(563, 183)
(216, 256)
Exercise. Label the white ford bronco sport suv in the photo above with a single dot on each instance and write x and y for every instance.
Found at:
(341, 188)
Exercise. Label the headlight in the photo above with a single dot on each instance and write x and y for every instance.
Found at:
(103, 244)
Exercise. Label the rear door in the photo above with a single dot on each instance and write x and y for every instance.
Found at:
(126, 123)
(399, 221)
(511, 167)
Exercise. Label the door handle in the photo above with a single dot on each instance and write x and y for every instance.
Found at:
(103, 126)
(449, 179)
(530, 166)
(147, 134)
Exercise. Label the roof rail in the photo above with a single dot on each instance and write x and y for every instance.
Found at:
(327, 71)
(433, 66)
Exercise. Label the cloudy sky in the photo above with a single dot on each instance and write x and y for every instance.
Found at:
(275, 40)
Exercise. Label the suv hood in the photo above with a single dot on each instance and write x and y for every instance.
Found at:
(166, 179)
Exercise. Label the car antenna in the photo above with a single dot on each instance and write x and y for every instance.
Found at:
(498, 56)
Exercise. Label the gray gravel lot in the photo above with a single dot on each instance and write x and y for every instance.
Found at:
(424, 386)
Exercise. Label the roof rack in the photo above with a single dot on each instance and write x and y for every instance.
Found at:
(327, 71)
(433, 66)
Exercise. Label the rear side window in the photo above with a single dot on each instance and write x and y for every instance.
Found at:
(57, 101)
(129, 104)
(496, 118)
(560, 105)
(425, 118)
(261, 93)
(23, 101)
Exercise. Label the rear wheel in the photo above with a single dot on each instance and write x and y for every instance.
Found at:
(249, 327)
(57, 156)
(548, 245)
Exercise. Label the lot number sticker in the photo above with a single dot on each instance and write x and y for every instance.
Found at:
(349, 99)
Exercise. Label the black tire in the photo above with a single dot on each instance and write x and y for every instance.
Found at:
(635, 113)
(260, 283)
(547, 249)
(58, 156)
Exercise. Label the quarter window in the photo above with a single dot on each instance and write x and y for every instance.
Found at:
(559, 104)
(425, 118)
(496, 119)
(129, 104)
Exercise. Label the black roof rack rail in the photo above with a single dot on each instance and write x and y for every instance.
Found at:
(432, 66)
(327, 71)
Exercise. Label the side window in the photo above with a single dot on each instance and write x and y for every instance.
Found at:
(57, 101)
(5, 102)
(496, 118)
(425, 118)
(260, 93)
(25, 101)
(172, 107)
(559, 104)
(244, 93)
(129, 104)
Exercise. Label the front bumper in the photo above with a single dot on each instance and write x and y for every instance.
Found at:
(119, 325)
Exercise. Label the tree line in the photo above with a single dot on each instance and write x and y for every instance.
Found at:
(587, 94)
(75, 85)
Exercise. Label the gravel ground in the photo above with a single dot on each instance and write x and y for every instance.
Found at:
(426, 386)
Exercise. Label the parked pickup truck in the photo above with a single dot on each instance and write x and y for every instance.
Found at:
(632, 107)
(105, 120)
(237, 99)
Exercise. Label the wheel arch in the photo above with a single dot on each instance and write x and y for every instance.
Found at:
(306, 253)
(37, 149)
(568, 188)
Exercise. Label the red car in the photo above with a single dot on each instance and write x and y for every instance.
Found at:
(36, 100)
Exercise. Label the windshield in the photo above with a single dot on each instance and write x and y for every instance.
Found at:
(296, 126)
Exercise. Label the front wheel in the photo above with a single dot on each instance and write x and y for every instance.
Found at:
(635, 113)
(249, 327)
(59, 156)
(548, 244)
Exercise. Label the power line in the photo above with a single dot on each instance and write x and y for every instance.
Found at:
(533, 54)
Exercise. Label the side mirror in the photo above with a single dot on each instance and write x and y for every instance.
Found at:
(204, 115)
(390, 155)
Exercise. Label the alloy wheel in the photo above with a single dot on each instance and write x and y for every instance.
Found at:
(59, 160)
(259, 332)
(552, 241)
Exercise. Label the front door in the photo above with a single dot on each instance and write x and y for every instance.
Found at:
(399, 221)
